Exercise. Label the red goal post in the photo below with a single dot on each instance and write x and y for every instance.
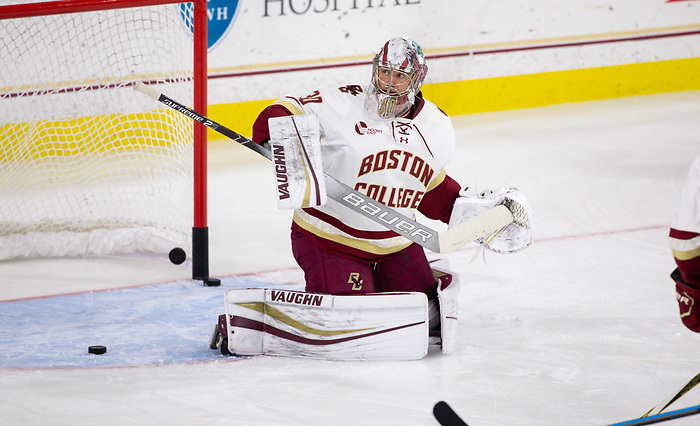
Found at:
(199, 237)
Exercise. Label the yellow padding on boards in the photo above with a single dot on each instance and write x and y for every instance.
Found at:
(90, 135)
(519, 91)
(102, 133)
(238, 117)
(534, 90)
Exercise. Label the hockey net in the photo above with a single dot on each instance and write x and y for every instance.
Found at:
(88, 166)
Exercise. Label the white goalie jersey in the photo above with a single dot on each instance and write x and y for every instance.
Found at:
(394, 161)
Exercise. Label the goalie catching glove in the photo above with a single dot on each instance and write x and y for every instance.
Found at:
(515, 236)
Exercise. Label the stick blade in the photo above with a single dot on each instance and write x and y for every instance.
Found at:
(446, 416)
(139, 86)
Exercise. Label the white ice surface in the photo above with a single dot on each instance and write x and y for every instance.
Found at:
(579, 329)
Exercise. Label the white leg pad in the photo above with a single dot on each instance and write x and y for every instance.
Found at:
(245, 321)
(383, 326)
(448, 292)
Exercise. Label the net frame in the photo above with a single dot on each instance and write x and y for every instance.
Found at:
(200, 251)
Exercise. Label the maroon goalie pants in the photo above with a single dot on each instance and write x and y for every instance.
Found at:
(407, 270)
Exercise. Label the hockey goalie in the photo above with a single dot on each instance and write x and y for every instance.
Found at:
(370, 293)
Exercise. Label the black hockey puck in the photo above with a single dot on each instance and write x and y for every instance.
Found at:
(177, 255)
(97, 350)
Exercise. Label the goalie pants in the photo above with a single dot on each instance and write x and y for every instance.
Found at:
(407, 270)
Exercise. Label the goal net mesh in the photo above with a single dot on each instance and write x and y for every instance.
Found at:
(89, 166)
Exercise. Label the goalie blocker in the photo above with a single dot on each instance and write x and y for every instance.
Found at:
(380, 326)
(295, 142)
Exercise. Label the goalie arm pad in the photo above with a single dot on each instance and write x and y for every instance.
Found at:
(515, 236)
(437, 202)
(261, 128)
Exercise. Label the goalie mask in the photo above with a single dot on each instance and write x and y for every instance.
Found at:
(398, 71)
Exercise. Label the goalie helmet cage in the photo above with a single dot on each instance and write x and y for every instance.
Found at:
(61, 134)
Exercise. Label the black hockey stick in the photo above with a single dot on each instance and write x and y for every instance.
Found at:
(439, 242)
(446, 416)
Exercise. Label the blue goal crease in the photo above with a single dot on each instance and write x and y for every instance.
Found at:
(151, 325)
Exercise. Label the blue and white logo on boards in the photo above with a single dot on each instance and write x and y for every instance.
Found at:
(220, 17)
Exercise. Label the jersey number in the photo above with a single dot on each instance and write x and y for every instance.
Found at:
(313, 98)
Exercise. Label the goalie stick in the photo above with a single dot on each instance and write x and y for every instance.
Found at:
(438, 242)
